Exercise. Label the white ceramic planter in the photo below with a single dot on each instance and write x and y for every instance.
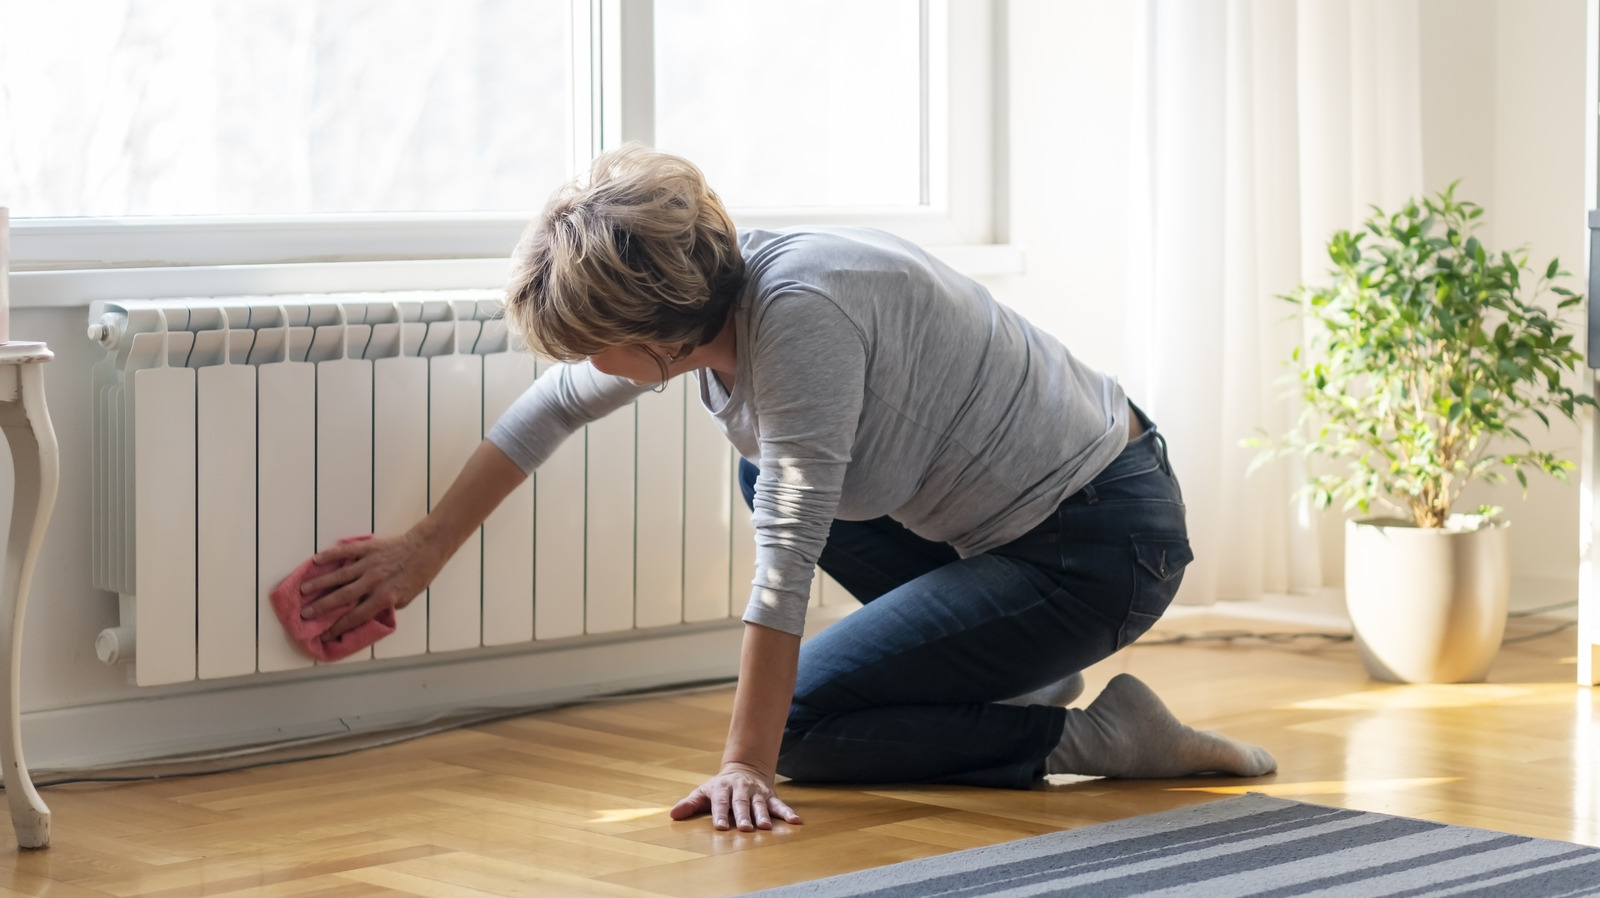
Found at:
(1428, 606)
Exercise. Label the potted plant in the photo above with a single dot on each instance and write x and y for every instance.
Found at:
(1424, 354)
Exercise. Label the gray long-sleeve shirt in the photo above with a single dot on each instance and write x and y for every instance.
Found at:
(873, 380)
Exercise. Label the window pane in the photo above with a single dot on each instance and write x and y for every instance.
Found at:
(173, 107)
(809, 103)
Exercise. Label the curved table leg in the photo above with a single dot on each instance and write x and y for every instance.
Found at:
(26, 423)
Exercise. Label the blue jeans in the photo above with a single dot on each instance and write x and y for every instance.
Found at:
(905, 689)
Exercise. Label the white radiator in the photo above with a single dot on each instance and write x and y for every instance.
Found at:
(236, 436)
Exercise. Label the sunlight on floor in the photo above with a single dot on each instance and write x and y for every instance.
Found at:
(1323, 787)
(1586, 785)
(1449, 695)
(626, 815)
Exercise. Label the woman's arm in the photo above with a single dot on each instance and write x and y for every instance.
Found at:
(808, 386)
(390, 572)
(742, 793)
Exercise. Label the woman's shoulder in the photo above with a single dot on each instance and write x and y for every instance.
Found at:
(824, 246)
(837, 262)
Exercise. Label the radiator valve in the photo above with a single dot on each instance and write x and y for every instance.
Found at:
(107, 330)
(115, 645)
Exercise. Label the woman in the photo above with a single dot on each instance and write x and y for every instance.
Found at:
(1004, 513)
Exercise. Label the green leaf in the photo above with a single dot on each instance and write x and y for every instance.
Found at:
(1423, 349)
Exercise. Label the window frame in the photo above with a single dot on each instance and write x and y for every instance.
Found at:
(611, 58)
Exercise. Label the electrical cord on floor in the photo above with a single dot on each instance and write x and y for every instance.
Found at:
(1232, 636)
(183, 767)
(363, 746)
(1567, 625)
(1530, 612)
(1245, 636)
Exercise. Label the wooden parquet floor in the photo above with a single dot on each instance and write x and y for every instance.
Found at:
(572, 802)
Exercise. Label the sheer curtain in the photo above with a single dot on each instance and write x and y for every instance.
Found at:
(1261, 126)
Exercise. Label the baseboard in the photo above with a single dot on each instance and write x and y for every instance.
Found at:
(266, 710)
(1324, 609)
(387, 695)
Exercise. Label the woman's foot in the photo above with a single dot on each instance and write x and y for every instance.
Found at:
(1061, 693)
(1128, 732)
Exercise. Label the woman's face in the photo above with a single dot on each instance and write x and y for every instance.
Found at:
(633, 362)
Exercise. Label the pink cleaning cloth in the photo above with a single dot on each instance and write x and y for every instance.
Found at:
(287, 600)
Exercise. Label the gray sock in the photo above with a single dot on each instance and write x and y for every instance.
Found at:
(1061, 693)
(1128, 732)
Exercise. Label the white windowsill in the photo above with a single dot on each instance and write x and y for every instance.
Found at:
(79, 287)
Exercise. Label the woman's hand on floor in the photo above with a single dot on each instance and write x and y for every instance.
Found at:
(377, 574)
(739, 796)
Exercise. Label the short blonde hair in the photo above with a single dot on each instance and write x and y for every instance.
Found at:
(642, 251)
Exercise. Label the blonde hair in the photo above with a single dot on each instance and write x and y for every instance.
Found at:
(642, 251)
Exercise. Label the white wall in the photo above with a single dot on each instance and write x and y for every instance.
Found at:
(1071, 82)
(1503, 107)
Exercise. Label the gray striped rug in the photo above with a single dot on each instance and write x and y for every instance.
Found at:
(1252, 845)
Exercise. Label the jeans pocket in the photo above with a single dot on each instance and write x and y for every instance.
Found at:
(1159, 560)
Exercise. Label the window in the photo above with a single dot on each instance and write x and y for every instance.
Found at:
(830, 115)
(197, 132)
(297, 107)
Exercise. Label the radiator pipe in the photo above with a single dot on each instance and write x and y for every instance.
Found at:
(117, 645)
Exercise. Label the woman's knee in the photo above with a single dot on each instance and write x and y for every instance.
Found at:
(799, 761)
(794, 760)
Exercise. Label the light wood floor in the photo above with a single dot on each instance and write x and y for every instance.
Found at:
(572, 802)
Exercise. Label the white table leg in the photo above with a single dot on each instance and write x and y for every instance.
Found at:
(26, 422)
(1589, 548)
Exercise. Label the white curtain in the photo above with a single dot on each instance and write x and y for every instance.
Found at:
(1261, 126)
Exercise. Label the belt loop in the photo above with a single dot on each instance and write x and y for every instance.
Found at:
(1166, 463)
(1090, 497)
